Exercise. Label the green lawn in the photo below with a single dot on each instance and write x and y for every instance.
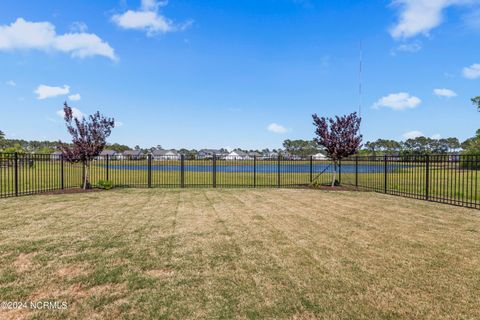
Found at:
(237, 253)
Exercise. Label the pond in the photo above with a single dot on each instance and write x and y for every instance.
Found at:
(264, 168)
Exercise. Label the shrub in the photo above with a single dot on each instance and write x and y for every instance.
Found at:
(318, 184)
(105, 184)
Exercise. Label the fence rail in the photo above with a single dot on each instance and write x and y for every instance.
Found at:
(451, 179)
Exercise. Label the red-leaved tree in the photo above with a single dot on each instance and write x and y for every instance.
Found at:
(339, 136)
(89, 137)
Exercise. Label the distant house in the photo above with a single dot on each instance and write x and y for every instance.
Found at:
(319, 156)
(208, 153)
(270, 155)
(238, 155)
(112, 154)
(162, 155)
(255, 155)
(57, 155)
(131, 155)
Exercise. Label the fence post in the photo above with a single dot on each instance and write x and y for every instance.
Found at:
(62, 172)
(356, 171)
(149, 178)
(214, 168)
(182, 171)
(15, 157)
(278, 170)
(107, 173)
(427, 177)
(254, 171)
(311, 169)
(476, 180)
(385, 174)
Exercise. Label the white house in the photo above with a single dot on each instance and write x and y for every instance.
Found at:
(319, 156)
(112, 155)
(130, 155)
(270, 155)
(162, 155)
(238, 155)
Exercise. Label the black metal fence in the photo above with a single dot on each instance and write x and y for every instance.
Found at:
(451, 179)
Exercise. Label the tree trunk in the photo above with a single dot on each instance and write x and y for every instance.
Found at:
(86, 183)
(334, 173)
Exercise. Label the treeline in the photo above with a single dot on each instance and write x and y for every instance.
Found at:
(302, 148)
(41, 147)
(419, 145)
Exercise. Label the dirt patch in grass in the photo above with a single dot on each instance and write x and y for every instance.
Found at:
(160, 273)
(71, 271)
(71, 191)
(23, 262)
(337, 188)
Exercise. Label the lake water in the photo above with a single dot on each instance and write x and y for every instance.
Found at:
(261, 168)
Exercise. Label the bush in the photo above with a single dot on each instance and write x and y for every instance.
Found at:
(318, 184)
(105, 184)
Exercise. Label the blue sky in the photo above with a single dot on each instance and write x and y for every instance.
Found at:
(246, 73)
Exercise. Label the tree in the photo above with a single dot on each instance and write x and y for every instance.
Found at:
(339, 137)
(453, 144)
(371, 147)
(300, 148)
(2, 139)
(472, 144)
(476, 102)
(118, 147)
(88, 139)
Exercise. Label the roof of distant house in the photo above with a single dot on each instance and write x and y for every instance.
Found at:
(239, 152)
(210, 151)
(108, 153)
(132, 152)
(165, 152)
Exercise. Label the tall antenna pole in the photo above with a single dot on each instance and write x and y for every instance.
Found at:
(360, 80)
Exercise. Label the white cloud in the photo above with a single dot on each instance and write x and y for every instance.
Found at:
(398, 101)
(76, 113)
(11, 83)
(148, 18)
(437, 136)
(78, 26)
(472, 72)
(447, 93)
(44, 91)
(75, 97)
(153, 5)
(118, 124)
(407, 47)
(412, 134)
(420, 16)
(276, 128)
(25, 35)
(143, 20)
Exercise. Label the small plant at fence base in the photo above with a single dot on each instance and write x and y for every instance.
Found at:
(88, 139)
(105, 184)
(339, 136)
(318, 184)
